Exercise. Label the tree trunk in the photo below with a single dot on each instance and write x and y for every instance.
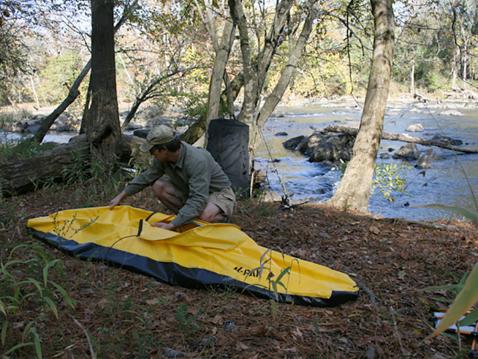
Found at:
(412, 79)
(86, 106)
(74, 92)
(255, 73)
(273, 40)
(232, 90)
(454, 69)
(34, 92)
(250, 74)
(465, 61)
(222, 56)
(102, 125)
(355, 187)
(294, 56)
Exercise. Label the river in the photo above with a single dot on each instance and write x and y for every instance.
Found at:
(443, 183)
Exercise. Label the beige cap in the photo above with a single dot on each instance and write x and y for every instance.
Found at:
(158, 136)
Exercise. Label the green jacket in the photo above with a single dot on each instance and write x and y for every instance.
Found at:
(195, 174)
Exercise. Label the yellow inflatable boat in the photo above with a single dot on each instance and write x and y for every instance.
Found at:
(197, 255)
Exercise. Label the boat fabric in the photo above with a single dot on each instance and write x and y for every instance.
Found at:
(196, 255)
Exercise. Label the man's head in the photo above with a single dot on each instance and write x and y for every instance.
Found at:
(161, 142)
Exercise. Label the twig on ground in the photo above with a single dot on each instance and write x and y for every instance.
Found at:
(90, 345)
(397, 333)
(371, 295)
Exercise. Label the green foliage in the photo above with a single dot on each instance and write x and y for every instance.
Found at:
(389, 180)
(325, 76)
(13, 58)
(9, 212)
(465, 299)
(187, 322)
(466, 290)
(433, 81)
(196, 106)
(24, 284)
(59, 73)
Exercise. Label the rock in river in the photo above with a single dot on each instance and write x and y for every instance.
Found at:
(408, 152)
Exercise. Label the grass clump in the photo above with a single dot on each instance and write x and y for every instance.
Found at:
(188, 323)
(28, 296)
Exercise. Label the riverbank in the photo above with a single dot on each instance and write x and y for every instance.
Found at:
(450, 180)
(14, 118)
(129, 315)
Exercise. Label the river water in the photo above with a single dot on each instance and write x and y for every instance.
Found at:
(444, 183)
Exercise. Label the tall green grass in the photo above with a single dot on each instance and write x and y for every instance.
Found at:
(26, 288)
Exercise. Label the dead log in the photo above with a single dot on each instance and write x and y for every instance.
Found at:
(404, 138)
(20, 176)
(62, 162)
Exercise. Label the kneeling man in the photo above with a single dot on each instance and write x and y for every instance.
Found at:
(186, 179)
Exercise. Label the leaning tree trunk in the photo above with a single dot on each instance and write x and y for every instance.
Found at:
(355, 187)
(102, 125)
(152, 90)
(74, 91)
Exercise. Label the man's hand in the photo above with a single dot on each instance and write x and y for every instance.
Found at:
(117, 200)
(164, 225)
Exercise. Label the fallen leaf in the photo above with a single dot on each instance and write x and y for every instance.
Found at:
(218, 319)
(374, 229)
(297, 334)
(241, 346)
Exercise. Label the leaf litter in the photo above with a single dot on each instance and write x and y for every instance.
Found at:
(395, 260)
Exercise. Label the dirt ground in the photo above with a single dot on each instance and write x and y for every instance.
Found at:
(119, 314)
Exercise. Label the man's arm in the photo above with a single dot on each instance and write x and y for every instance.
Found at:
(117, 200)
(145, 179)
